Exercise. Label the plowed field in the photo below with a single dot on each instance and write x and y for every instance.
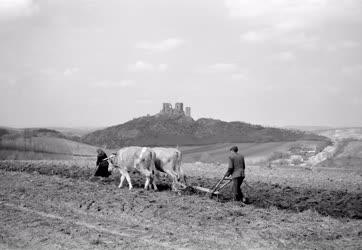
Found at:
(57, 204)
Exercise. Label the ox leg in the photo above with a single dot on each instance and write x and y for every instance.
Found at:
(122, 180)
(174, 179)
(182, 177)
(179, 173)
(154, 180)
(151, 182)
(147, 183)
(148, 176)
(128, 178)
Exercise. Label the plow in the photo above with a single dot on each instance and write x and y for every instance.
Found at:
(221, 184)
(215, 190)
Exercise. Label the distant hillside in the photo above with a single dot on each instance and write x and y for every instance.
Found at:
(308, 128)
(76, 131)
(181, 130)
(12, 133)
(3, 131)
(40, 143)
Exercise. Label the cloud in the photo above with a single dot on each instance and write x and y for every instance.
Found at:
(238, 76)
(286, 56)
(346, 44)
(113, 84)
(351, 70)
(290, 15)
(258, 8)
(227, 69)
(162, 67)
(256, 36)
(295, 39)
(161, 46)
(8, 81)
(141, 66)
(70, 71)
(144, 101)
(300, 40)
(333, 90)
(349, 44)
(291, 10)
(293, 22)
(356, 101)
(11, 9)
(223, 67)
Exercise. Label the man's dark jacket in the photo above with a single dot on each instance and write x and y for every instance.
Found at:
(236, 166)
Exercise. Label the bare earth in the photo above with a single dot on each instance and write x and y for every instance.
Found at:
(55, 205)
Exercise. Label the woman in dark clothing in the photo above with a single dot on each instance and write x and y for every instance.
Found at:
(102, 166)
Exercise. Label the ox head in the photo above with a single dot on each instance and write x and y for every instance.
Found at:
(145, 160)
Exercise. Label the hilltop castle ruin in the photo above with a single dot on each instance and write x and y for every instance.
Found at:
(178, 110)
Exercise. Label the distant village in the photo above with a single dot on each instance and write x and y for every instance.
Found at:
(178, 110)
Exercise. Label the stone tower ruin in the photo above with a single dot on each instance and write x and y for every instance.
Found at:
(188, 111)
(166, 108)
(178, 110)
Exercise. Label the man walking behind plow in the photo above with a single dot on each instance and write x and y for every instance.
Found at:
(236, 170)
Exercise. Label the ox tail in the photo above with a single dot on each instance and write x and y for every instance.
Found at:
(155, 172)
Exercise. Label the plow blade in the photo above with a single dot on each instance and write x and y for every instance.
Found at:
(206, 190)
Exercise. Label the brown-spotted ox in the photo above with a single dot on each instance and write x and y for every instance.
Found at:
(168, 160)
(133, 158)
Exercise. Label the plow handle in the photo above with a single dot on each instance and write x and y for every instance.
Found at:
(217, 185)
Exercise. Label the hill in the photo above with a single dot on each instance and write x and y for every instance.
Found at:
(40, 143)
(171, 130)
(76, 131)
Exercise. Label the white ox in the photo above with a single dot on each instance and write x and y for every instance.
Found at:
(168, 160)
(130, 158)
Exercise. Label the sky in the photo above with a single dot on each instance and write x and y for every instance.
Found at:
(99, 63)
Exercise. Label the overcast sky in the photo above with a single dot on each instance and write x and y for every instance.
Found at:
(99, 63)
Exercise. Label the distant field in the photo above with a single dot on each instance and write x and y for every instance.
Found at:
(348, 149)
(353, 148)
(348, 155)
(254, 152)
(342, 133)
(38, 148)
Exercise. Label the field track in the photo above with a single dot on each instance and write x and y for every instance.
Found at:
(124, 233)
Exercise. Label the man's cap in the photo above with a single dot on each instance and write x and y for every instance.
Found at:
(234, 148)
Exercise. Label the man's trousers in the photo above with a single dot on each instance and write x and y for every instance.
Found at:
(238, 195)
